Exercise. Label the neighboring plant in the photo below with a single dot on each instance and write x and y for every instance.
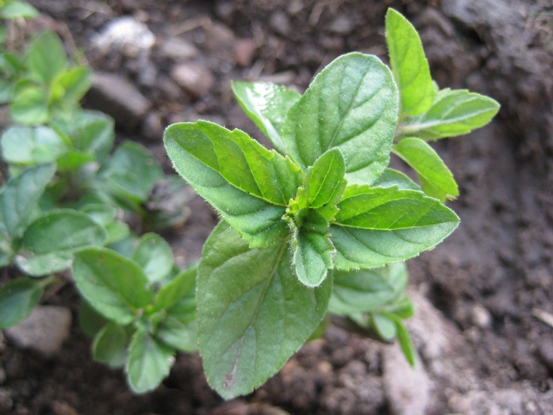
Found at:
(320, 223)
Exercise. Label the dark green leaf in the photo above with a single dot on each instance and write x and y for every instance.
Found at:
(249, 185)
(154, 255)
(267, 106)
(453, 113)
(169, 295)
(20, 198)
(253, 314)
(149, 362)
(49, 242)
(17, 299)
(378, 226)
(110, 346)
(436, 179)
(351, 105)
(46, 58)
(31, 146)
(409, 65)
(90, 321)
(114, 285)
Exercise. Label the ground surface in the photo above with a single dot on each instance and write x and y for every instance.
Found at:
(482, 296)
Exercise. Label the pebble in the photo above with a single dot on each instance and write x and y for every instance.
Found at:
(177, 49)
(342, 25)
(152, 126)
(279, 22)
(125, 34)
(243, 51)
(480, 316)
(194, 77)
(116, 96)
(43, 331)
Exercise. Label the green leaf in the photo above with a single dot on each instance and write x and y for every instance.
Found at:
(182, 285)
(30, 106)
(409, 65)
(392, 178)
(117, 231)
(436, 179)
(453, 113)
(378, 226)
(46, 58)
(148, 363)
(31, 146)
(73, 83)
(6, 89)
(132, 171)
(155, 257)
(384, 325)
(312, 249)
(110, 346)
(351, 105)
(17, 299)
(178, 335)
(253, 314)
(20, 198)
(405, 341)
(90, 321)
(18, 9)
(102, 214)
(367, 289)
(49, 242)
(249, 185)
(267, 106)
(114, 285)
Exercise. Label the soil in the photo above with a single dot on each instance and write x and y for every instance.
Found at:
(484, 296)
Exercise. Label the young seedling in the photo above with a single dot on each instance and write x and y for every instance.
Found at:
(322, 208)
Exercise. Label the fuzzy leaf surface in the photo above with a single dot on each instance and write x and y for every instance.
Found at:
(113, 284)
(409, 65)
(436, 179)
(253, 313)
(378, 226)
(154, 255)
(20, 198)
(249, 185)
(267, 105)
(351, 105)
(453, 113)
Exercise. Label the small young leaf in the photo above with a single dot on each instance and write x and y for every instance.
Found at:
(74, 83)
(170, 294)
(49, 242)
(154, 255)
(20, 198)
(110, 346)
(30, 106)
(149, 362)
(436, 179)
(384, 325)
(17, 299)
(267, 106)
(253, 314)
(405, 341)
(249, 185)
(378, 226)
(351, 105)
(453, 113)
(114, 285)
(178, 335)
(409, 65)
(365, 290)
(392, 178)
(312, 256)
(46, 58)
(31, 146)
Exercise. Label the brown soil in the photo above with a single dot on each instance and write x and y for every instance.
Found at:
(491, 281)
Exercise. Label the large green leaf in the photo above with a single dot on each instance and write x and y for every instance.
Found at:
(50, 241)
(253, 314)
(20, 197)
(154, 255)
(409, 65)
(436, 179)
(351, 105)
(46, 58)
(249, 185)
(392, 178)
(364, 290)
(17, 299)
(31, 146)
(267, 106)
(148, 363)
(453, 113)
(114, 285)
(378, 226)
(110, 345)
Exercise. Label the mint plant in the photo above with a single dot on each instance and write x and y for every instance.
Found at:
(320, 223)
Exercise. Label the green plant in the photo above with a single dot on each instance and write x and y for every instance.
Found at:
(318, 224)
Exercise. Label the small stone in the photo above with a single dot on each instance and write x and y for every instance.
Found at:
(480, 316)
(342, 25)
(63, 408)
(194, 77)
(117, 97)
(177, 49)
(243, 51)
(126, 35)
(152, 127)
(407, 388)
(44, 331)
(278, 21)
